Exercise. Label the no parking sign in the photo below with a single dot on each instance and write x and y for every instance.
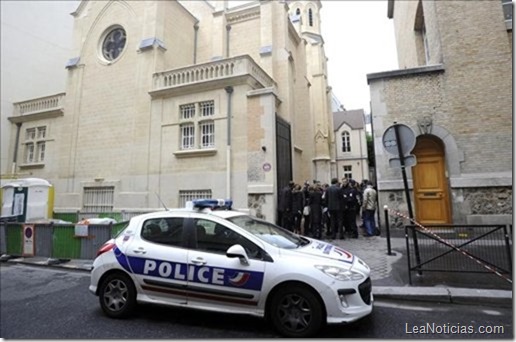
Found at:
(28, 240)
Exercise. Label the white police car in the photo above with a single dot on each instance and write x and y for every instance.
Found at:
(224, 260)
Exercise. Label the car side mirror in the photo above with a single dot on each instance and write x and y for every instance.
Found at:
(237, 251)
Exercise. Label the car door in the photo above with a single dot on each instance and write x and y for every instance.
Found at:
(217, 280)
(158, 259)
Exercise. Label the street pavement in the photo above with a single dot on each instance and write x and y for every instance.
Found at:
(389, 275)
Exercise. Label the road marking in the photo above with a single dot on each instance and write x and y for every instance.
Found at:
(401, 306)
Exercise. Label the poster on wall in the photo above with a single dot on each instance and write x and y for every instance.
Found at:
(18, 205)
(28, 240)
(81, 230)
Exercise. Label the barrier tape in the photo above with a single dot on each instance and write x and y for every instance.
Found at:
(465, 253)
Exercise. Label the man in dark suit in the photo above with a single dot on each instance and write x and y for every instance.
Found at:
(335, 207)
(285, 206)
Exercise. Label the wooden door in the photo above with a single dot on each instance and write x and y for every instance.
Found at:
(431, 195)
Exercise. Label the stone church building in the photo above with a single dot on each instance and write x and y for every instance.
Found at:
(453, 88)
(167, 101)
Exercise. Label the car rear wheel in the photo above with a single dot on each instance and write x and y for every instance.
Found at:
(295, 311)
(117, 295)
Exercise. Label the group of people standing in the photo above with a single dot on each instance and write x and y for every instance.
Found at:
(333, 208)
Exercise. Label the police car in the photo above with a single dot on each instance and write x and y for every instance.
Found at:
(213, 258)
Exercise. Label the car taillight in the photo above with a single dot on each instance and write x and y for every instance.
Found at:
(106, 247)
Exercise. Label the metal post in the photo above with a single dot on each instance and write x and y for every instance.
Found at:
(508, 246)
(407, 193)
(387, 230)
(408, 256)
(229, 91)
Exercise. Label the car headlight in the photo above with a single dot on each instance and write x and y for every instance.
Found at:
(339, 273)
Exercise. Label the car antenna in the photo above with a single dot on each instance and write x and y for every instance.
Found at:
(163, 204)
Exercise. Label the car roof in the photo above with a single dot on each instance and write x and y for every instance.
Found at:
(224, 214)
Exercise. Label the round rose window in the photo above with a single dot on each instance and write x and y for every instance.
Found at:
(113, 44)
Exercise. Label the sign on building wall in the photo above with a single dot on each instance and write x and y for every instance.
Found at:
(81, 230)
(28, 240)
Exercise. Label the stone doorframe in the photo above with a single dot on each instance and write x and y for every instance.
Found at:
(452, 154)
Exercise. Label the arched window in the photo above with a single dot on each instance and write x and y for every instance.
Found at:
(298, 11)
(310, 17)
(346, 142)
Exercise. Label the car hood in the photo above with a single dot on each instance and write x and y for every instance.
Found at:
(327, 250)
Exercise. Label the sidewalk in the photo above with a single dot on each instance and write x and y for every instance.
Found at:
(389, 275)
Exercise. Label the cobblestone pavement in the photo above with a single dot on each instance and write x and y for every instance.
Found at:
(373, 250)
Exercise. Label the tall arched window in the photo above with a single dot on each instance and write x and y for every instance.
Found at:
(298, 11)
(310, 17)
(346, 142)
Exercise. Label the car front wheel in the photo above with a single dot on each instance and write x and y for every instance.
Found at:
(295, 311)
(117, 295)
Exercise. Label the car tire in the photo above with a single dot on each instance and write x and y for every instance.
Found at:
(117, 296)
(295, 311)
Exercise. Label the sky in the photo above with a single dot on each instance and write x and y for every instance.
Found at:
(359, 40)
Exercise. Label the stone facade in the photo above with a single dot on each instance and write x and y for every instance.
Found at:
(124, 125)
(454, 84)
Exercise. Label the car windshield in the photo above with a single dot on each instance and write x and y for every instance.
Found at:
(269, 232)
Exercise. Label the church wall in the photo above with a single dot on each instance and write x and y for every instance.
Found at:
(114, 133)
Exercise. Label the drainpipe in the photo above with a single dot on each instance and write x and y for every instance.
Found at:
(229, 91)
(228, 28)
(17, 141)
(196, 28)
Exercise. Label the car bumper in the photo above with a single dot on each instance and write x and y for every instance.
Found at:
(350, 304)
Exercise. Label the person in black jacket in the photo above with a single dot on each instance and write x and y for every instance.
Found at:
(307, 220)
(285, 206)
(298, 203)
(352, 204)
(315, 201)
(335, 199)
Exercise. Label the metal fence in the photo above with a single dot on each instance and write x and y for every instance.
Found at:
(459, 248)
(56, 241)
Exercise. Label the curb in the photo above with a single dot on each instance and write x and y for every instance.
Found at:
(454, 295)
(81, 265)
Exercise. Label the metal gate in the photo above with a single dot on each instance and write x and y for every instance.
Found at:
(460, 249)
(283, 153)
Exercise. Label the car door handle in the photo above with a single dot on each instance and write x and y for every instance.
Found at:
(198, 261)
(139, 251)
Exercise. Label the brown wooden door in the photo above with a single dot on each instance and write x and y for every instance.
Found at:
(431, 196)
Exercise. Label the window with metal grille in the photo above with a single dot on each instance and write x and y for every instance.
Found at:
(35, 144)
(98, 199)
(41, 151)
(346, 142)
(187, 111)
(310, 17)
(204, 136)
(348, 172)
(30, 134)
(207, 108)
(42, 132)
(187, 136)
(190, 195)
(29, 153)
(207, 134)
